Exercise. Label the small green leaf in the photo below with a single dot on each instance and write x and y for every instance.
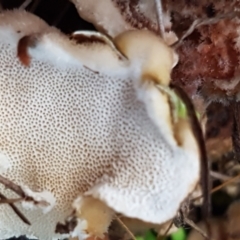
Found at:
(179, 235)
(139, 238)
(149, 235)
(181, 109)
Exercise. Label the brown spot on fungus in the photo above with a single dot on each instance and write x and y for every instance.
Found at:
(22, 49)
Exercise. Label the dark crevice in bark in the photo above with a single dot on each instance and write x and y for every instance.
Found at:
(235, 108)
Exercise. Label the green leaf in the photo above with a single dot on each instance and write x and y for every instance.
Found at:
(139, 238)
(179, 235)
(149, 235)
(178, 107)
(181, 109)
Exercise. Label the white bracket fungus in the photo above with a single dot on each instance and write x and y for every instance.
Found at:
(84, 118)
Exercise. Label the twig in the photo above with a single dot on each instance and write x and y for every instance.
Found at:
(13, 200)
(205, 172)
(221, 186)
(25, 4)
(18, 190)
(166, 232)
(159, 10)
(14, 208)
(236, 128)
(219, 176)
(225, 183)
(203, 21)
(62, 14)
(14, 187)
(183, 215)
(198, 229)
(197, 130)
(125, 227)
(34, 6)
(192, 27)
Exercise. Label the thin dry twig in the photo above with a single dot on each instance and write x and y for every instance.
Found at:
(23, 197)
(34, 5)
(198, 229)
(15, 209)
(18, 190)
(219, 176)
(166, 232)
(25, 4)
(159, 9)
(235, 106)
(233, 179)
(61, 14)
(225, 183)
(125, 227)
(197, 130)
(183, 214)
(203, 21)
(12, 200)
(14, 187)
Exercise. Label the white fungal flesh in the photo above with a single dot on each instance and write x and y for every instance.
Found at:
(67, 55)
(45, 200)
(4, 163)
(80, 230)
(71, 131)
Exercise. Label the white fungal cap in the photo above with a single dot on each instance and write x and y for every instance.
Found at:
(73, 127)
(16, 24)
(117, 16)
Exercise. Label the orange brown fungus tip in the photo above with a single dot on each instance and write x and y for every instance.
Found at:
(22, 49)
(208, 59)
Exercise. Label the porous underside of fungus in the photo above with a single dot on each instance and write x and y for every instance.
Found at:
(72, 125)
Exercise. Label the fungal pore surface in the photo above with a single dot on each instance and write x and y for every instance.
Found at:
(82, 124)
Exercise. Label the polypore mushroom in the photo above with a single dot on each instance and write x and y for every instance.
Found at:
(82, 120)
